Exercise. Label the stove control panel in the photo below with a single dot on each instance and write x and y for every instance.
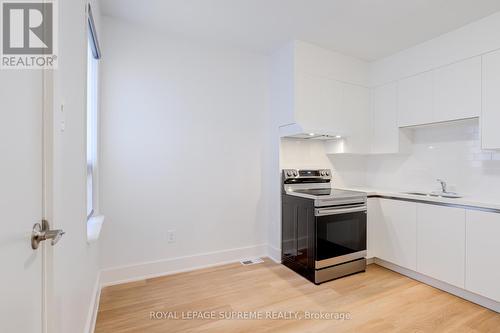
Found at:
(306, 176)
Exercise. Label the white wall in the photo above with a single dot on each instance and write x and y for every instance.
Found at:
(316, 60)
(76, 262)
(185, 146)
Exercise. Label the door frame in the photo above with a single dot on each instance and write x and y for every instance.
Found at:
(48, 325)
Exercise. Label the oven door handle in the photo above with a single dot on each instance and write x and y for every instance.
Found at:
(336, 211)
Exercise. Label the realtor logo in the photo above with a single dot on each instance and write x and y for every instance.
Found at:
(28, 34)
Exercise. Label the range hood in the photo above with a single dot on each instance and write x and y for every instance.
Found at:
(314, 136)
(296, 131)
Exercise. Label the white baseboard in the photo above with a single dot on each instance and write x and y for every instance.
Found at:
(462, 293)
(94, 306)
(146, 270)
(274, 253)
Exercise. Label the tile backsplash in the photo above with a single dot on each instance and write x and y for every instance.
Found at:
(450, 151)
(304, 154)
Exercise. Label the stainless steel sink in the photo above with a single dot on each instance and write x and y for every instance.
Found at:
(416, 193)
(448, 195)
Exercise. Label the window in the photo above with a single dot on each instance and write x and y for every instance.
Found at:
(93, 56)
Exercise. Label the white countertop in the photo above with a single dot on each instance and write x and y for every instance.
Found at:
(465, 201)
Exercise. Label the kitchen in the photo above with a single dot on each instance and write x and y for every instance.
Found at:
(253, 166)
(432, 121)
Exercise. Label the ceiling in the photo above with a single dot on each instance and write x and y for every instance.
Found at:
(367, 29)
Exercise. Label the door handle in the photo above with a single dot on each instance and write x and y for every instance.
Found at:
(41, 232)
(337, 211)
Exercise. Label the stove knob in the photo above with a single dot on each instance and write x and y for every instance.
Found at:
(322, 173)
(289, 173)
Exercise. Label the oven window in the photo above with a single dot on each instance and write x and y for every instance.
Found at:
(340, 234)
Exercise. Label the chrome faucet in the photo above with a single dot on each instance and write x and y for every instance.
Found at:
(443, 185)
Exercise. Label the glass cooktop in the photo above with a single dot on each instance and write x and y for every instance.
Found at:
(324, 193)
(316, 191)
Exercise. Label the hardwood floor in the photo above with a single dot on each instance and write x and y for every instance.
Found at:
(377, 301)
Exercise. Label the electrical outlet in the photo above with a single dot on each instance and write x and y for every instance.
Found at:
(171, 236)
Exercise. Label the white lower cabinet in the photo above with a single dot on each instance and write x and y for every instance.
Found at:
(392, 229)
(441, 243)
(458, 246)
(372, 221)
(482, 269)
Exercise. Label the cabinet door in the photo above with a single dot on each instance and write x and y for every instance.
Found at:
(490, 117)
(457, 91)
(441, 243)
(396, 231)
(319, 103)
(356, 108)
(384, 119)
(415, 100)
(482, 271)
(373, 221)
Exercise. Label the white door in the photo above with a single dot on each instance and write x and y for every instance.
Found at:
(21, 279)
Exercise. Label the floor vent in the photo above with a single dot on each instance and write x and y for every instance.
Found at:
(251, 261)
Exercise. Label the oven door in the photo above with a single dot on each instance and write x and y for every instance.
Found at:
(340, 234)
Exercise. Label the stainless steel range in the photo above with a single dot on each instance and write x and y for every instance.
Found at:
(323, 229)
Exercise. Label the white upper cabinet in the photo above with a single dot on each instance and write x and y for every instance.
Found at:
(441, 243)
(490, 117)
(482, 272)
(318, 103)
(457, 91)
(449, 93)
(384, 119)
(415, 100)
(356, 119)
(322, 92)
